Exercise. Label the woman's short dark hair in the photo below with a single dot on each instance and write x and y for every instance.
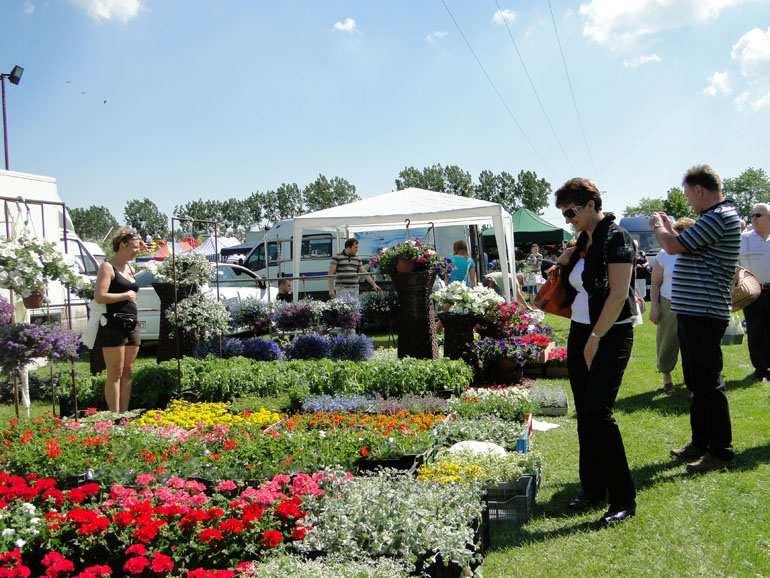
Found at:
(350, 242)
(578, 192)
(703, 176)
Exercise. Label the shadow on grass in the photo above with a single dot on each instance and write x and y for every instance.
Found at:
(677, 403)
(558, 505)
(644, 477)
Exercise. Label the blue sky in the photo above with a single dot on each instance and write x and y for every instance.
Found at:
(216, 99)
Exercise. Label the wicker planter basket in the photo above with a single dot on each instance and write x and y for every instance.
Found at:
(167, 346)
(458, 333)
(33, 301)
(417, 319)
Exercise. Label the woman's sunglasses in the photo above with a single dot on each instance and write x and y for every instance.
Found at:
(572, 212)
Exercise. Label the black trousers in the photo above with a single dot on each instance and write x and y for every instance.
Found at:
(603, 464)
(758, 331)
(700, 345)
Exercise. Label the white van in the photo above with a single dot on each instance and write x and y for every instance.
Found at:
(20, 196)
(319, 245)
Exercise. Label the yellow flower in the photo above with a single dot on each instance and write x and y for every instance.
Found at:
(189, 415)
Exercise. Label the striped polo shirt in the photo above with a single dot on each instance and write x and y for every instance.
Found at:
(347, 269)
(704, 273)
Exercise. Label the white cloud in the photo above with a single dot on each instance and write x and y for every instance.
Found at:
(641, 60)
(347, 25)
(504, 16)
(622, 24)
(752, 52)
(102, 10)
(29, 8)
(435, 36)
(719, 83)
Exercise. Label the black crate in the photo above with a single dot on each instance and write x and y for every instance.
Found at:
(510, 505)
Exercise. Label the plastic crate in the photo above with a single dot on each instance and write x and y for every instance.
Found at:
(510, 505)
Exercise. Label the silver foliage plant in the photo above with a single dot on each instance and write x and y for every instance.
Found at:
(390, 515)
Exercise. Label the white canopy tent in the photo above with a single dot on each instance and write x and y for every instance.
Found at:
(210, 249)
(415, 208)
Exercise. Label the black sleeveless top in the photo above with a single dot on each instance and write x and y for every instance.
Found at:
(120, 284)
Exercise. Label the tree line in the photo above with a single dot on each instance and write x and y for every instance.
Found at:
(752, 186)
(236, 215)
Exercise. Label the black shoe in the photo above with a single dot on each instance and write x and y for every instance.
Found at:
(582, 502)
(688, 453)
(616, 516)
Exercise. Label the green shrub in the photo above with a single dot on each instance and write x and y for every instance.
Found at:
(214, 379)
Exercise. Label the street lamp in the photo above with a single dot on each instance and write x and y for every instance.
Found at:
(15, 78)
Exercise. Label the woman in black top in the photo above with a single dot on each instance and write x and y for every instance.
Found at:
(119, 327)
(598, 351)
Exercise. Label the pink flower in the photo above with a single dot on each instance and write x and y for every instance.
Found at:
(145, 479)
(226, 486)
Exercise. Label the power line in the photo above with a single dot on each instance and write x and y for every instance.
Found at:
(532, 85)
(489, 79)
(571, 90)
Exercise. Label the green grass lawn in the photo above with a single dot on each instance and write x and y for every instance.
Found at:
(711, 525)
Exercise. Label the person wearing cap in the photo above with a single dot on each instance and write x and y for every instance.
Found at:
(755, 256)
(118, 333)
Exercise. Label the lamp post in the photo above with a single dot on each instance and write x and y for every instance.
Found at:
(15, 78)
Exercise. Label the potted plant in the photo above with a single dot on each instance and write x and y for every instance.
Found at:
(298, 316)
(342, 312)
(20, 343)
(28, 264)
(255, 315)
(499, 361)
(557, 363)
(189, 271)
(378, 310)
(417, 328)
(197, 318)
(460, 308)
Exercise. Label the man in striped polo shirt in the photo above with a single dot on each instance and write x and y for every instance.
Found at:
(343, 272)
(708, 253)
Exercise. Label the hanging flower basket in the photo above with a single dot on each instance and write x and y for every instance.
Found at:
(33, 300)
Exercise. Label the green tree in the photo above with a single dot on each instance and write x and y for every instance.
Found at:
(430, 178)
(676, 204)
(283, 203)
(93, 223)
(532, 192)
(646, 206)
(752, 186)
(323, 193)
(500, 188)
(146, 218)
(458, 182)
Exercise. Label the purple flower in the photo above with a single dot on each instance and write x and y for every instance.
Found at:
(261, 349)
(22, 342)
(351, 347)
(312, 346)
(294, 316)
(6, 312)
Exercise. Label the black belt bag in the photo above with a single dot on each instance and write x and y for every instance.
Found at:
(124, 321)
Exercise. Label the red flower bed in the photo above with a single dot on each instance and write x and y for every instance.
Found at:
(153, 528)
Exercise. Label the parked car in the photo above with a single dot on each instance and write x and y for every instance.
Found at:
(235, 283)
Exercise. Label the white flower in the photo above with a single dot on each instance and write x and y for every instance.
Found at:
(34, 521)
(8, 532)
(20, 543)
(28, 508)
(322, 434)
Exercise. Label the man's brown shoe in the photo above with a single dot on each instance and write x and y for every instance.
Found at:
(688, 453)
(708, 463)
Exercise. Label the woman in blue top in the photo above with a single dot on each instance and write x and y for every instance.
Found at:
(463, 267)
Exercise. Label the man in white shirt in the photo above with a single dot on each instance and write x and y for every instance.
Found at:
(755, 256)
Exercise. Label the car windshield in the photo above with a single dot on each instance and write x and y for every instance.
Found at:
(233, 277)
(647, 241)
